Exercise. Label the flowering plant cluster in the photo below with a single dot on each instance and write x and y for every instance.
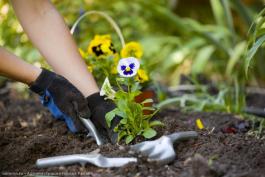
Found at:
(123, 72)
(102, 58)
(134, 122)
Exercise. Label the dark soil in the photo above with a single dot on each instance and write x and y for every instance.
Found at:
(225, 148)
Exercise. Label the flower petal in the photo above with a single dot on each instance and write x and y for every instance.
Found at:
(131, 63)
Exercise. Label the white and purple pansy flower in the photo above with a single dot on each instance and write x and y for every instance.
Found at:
(128, 67)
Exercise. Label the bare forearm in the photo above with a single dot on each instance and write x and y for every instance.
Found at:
(50, 35)
(15, 68)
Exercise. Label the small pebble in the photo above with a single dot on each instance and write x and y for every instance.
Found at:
(131, 152)
(61, 168)
(122, 148)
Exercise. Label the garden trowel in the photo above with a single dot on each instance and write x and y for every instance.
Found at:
(92, 130)
(162, 150)
(92, 158)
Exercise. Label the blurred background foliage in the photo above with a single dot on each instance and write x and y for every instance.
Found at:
(179, 37)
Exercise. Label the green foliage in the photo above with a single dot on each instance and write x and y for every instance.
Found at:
(170, 51)
(229, 99)
(256, 39)
(134, 122)
(173, 44)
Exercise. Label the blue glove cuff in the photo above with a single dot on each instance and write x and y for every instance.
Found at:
(47, 101)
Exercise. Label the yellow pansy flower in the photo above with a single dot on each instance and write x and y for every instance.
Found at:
(132, 49)
(101, 45)
(141, 76)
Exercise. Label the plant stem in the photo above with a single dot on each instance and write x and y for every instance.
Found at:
(118, 84)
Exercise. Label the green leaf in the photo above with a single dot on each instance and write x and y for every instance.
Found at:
(156, 123)
(109, 117)
(121, 135)
(228, 17)
(236, 56)
(123, 121)
(243, 11)
(149, 108)
(120, 113)
(252, 51)
(120, 79)
(211, 39)
(121, 94)
(201, 59)
(135, 86)
(149, 133)
(168, 101)
(218, 12)
(149, 100)
(106, 89)
(129, 139)
(122, 104)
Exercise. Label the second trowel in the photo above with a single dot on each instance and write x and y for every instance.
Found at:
(162, 150)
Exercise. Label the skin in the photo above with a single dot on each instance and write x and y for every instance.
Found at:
(15, 68)
(49, 33)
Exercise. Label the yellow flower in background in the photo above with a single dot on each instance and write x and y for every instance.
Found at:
(132, 49)
(114, 67)
(141, 76)
(199, 124)
(101, 45)
(114, 70)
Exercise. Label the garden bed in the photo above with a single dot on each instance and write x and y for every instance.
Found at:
(28, 132)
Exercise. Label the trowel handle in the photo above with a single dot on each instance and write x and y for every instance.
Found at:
(180, 136)
(57, 161)
(64, 160)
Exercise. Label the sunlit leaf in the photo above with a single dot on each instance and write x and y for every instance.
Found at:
(156, 123)
(201, 59)
(149, 133)
(238, 52)
(252, 51)
(110, 116)
(121, 135)
(129, 139)
(149, 100)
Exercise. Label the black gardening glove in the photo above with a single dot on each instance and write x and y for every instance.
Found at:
(63, 100)
(99, 108)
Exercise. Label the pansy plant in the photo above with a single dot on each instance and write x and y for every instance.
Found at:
(102, 59)
(124, 78)
(133, 121)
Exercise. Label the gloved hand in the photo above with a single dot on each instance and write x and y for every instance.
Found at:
(99, 108)
(63, 100)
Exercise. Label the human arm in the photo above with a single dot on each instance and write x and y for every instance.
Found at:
(15, 68)
(48, 32)
(65, 101)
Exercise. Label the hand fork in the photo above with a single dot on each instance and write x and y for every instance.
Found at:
(162, 150)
